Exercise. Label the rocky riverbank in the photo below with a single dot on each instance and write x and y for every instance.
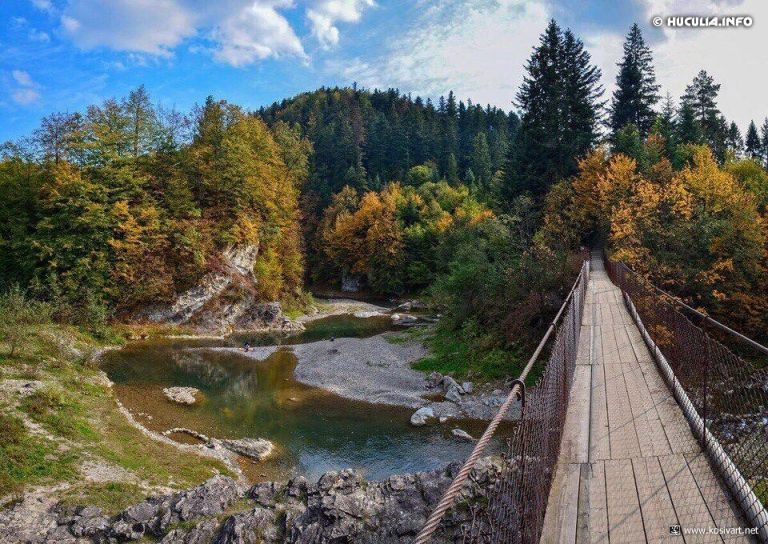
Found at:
(339, 507)
(378, 370)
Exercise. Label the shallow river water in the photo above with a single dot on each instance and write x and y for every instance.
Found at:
(314, 431)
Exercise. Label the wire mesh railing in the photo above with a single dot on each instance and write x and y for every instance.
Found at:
(723, 396)
(517, 503)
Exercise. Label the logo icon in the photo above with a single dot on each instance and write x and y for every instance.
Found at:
(674, 530)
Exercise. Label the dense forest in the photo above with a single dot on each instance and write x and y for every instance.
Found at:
(482, 211)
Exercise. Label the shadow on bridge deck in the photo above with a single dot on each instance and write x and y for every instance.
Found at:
(630, 467)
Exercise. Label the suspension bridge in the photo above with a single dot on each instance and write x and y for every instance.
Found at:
(644, 427)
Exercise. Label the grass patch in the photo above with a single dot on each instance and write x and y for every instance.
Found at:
(152, 461)
(296, 306)
(466, 354)
(112, 497)
(73, 404)
(412, 334)
(59, 413)
(25, 459)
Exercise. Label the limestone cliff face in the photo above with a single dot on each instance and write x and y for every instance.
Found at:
(223, 301)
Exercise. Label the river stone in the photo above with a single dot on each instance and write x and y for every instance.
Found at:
(460, 433)
(453, 395)
(434, 379)
(182, 395)
(449, 383)
(421, 415)
(467, 387)
(404, 319)
(254, 448)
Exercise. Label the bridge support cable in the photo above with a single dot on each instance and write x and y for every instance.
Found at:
(723, 396)
(517, 501)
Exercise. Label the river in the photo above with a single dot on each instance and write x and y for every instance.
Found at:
(313, 430)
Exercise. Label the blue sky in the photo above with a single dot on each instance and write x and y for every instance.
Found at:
(61, 55)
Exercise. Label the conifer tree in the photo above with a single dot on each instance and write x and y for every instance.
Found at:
(143, 126)
(480, 161)
(559, 99)
(636, 88)
(688, 126)
(734, 141)
(701, 96)
(665, 126)
(752, 143)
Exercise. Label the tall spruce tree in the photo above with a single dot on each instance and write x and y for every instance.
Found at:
(559, 99)
(480, 161)
(701, 96)
(688, 126)
(636, 88)
(665, 125)
(752, 143)
(734, 141)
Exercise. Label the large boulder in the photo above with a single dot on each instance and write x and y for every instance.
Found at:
(449, 383)
(202, 533)
(454, 395)
(421, 415)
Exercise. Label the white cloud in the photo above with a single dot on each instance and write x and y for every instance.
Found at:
(23, 78)
(25, 97)
(43, 5)
(39, 36)
(25, 92)
(478, 49)
(242, 31)
(324, 15)
(735, 57)
(254, 33)
(147, 26)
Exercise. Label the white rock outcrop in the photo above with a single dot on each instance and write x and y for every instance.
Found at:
(181, 395)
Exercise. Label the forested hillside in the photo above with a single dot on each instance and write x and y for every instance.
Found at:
(114, 209)
(106, 212)
(364, 139)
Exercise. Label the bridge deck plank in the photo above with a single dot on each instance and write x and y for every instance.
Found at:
(641, 469)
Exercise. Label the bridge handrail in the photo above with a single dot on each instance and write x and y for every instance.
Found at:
(709, 320)
(723, 397)
(515, 393)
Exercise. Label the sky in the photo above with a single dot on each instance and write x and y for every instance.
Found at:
(62, 55)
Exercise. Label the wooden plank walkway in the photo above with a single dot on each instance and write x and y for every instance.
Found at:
(629, 466)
